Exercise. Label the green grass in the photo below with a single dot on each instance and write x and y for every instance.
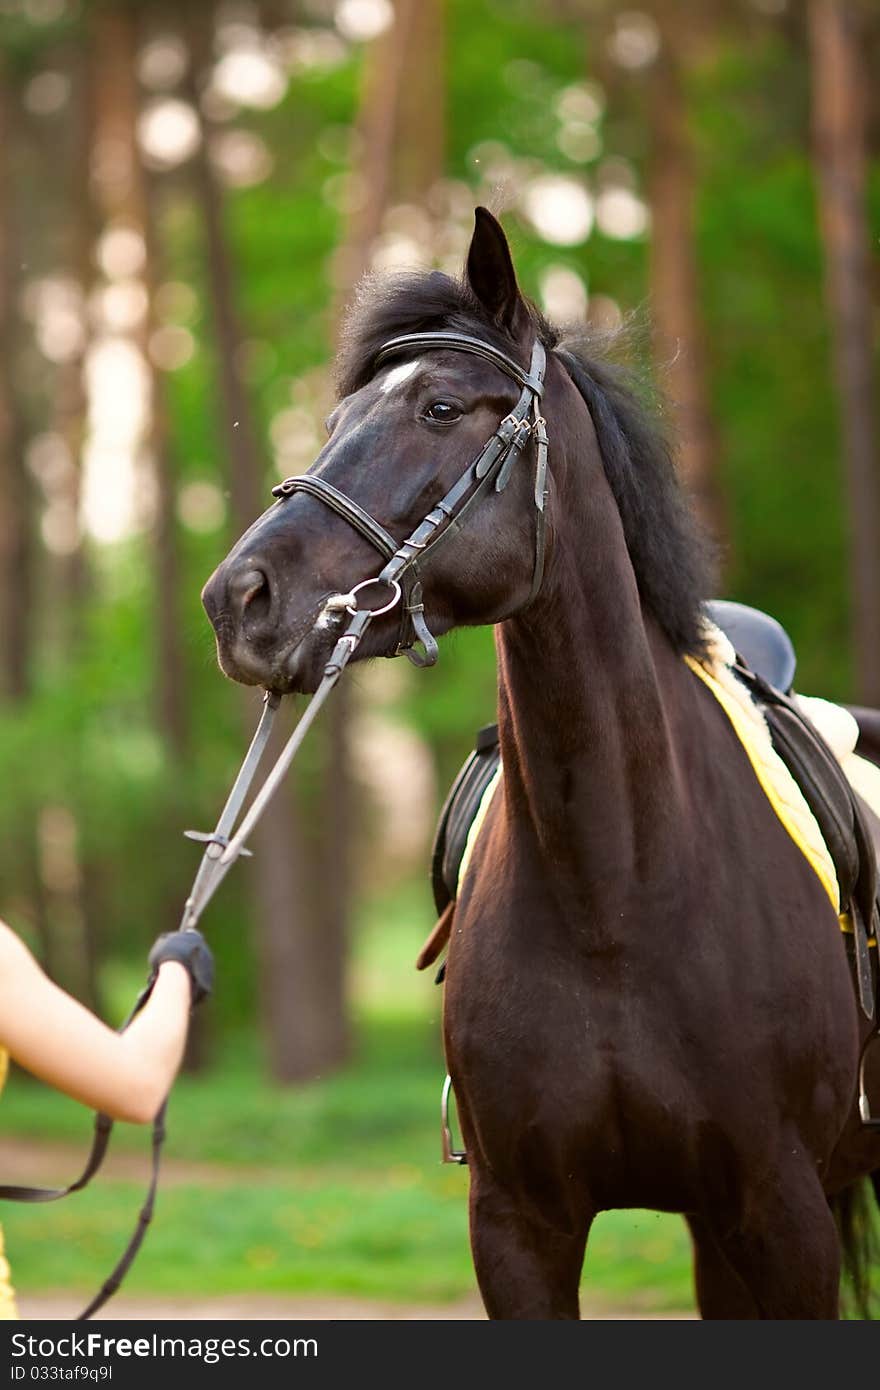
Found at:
(346, 1196)
(332, 1188)
(401, 1236)
(380, 1109)
(350, 1196)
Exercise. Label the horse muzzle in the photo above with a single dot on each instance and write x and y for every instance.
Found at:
(260, 641)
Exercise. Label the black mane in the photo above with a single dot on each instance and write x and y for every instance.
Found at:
(669, 554)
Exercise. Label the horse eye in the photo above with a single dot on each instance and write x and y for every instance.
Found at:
(444, 412)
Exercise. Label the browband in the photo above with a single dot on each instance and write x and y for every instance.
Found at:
(461, 342)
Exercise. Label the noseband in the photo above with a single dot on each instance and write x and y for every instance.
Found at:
(493, 465)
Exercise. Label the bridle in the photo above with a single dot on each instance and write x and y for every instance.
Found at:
(493, 465)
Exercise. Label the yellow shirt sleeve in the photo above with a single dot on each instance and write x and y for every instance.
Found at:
(8, 1309)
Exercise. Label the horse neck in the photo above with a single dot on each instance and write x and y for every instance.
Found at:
(588, 753)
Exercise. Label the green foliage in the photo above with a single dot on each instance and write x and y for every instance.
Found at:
(769, 347)
(24, 43)
(88, 739)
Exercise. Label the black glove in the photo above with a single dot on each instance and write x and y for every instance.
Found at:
(192, 950)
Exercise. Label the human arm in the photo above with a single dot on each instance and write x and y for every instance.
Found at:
(57, 1039)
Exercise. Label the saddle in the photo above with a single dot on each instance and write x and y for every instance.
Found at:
(766, 664)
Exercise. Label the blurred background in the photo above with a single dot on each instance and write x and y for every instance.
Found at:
(188, 194)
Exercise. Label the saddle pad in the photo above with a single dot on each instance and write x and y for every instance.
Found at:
(836, 726)
(777, 783)
(477, 823)
(840, 731)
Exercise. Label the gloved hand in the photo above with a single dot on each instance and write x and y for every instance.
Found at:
(192, 950)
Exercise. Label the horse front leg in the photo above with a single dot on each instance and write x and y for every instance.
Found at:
(785, 1246)
(721, 1292)
(526, 1268)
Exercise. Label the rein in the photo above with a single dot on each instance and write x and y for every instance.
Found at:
(401, 575)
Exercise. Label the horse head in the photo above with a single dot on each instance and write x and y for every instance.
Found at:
(413, 419)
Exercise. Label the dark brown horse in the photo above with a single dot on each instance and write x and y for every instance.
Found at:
(648, 999)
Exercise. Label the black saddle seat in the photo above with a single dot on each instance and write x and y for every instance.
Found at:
(760, 640)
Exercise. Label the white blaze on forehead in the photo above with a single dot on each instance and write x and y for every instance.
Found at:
(399, 374)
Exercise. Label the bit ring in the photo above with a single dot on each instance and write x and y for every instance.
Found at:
(376, 612)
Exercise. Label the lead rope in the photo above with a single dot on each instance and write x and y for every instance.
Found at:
(223, 850)
(218, 839)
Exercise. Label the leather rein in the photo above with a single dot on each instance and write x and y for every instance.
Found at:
(401, 574)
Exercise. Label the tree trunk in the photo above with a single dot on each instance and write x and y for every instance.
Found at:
(302, 964)
(71, 405)
(402, 127)
(16, 549)
(124, 193)
(378, 124)
(302, 944)
(420, 143)
(839, 128)
(172, 682)
(400, 123)
(678, 329)
(130, 197)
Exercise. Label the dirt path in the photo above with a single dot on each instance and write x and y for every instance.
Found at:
(256, 1307)
(49, 1165)
(250, 1308)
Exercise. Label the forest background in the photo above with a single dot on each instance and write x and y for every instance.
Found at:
(188, 195)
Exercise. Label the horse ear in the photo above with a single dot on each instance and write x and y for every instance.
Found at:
(491, 275)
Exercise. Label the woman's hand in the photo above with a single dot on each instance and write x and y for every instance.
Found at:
(191, 949)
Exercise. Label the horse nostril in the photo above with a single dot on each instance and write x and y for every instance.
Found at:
(245, 587)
